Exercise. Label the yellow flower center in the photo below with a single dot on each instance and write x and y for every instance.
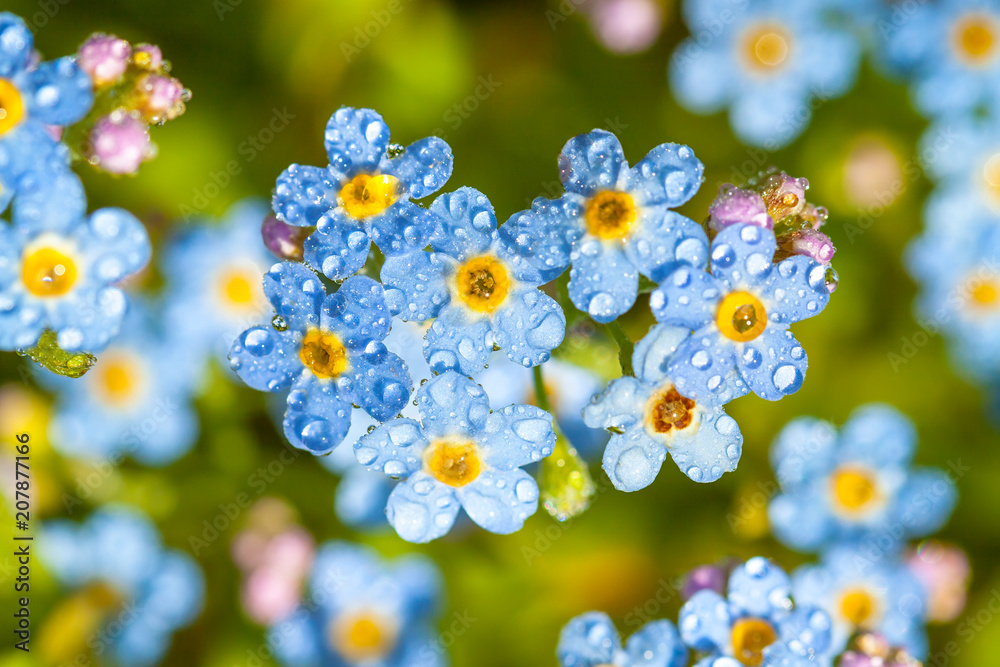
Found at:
(47, 272)
(363, 637)
(991, 178)
(668, 410)
(236, 287)
(323, 354)
(857, 606)
(984, 293)
(482, 283)
(750, 636)
(766, 46)
(118, 377)
(610, 214)
(741, 317)
(367, 195)
(975, 38)
(854, 489)
(11, 106)
(453, 462)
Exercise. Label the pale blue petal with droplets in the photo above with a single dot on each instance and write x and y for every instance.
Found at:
(760, 588)
(713, 450)
(705, 621)
(54, 202)
(653, 351)
(303, 195)
(591, 162)
(16, 44)
(296, 294)
(802, 519)
(415, 284)
(395, 448)
(515, 436)
(633, 459)
(355, 140)
(361, 498)
(338, 247)
(804, 633)
(356, 312)
(500, 500)
(544, 234)
(117, 244)
(377, 380)
(402, 228)
(878, 434)
(795, 290)
(59, 92)
(701, 369)
(423, 168)
(656, 644)
(688, 297)
(422, 509)
(926, 501)
(773, 364)
(602, 282)
(528, 326)
(458, 341)
(619, 406)
(317, 418)
(663, 240)
(468, 224)
(451, 403)
(804, 449)
(588, 640)
(266, 359)
(669, 175)
(741, 255)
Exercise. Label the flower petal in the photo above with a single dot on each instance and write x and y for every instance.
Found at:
(355, 140)
(415, 285)
(620, 405)
(516, 436)
(804, 450)
(760, 588)
(880, 435)
(423, 168)
(588, 640)
(705, 622)
(801, 518)
(670, 174)
(795, 290)
(926, 501)
(653, 352)
(49, 198)
(688, 297)
(338, 247)
(402, 228)
(741, 255)
(452, 404)
(633, 459)
(361, 497)
(603, 281)
(357, 312)
(303, 195)
(16, 44)
(544, 234)
(664, 240)
(61, 92)
(457, 340)
(591, 162)
(715, 448)
(116, 243)
(703, 368)
(656, 644)
(422, 509)
(528, 326)
(773, 364)
(296, 294)
(500, 500)
(377, 380)
(266, 359)
(396, 448)
(317, 418)
(468, 223)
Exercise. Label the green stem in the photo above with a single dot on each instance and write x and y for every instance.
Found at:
(624, 346)
(541, 395)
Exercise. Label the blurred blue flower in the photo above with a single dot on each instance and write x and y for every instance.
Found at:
(120, 570)
(361, 610)
(649, 418)
(613, 223)
(569, 387)
(591, 640)
(476, 286)
(135, 401)
(950, 51)
(769, 62)
(740, 312)
(213, 272)
(868, 590)
(756, 625)
(329, 349)
(364, 194)
(459, 454)
(856, 485)
(60, 277)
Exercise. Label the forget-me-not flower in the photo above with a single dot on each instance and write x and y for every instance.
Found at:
(591, 640)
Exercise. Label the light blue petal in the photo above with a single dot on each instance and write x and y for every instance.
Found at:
(603, 281)
(338, 247)
(665, 240)
(303, 195)
(117, 245)
(61, 92)
(355, 140)
(687, 298)
(317, 418)
(421, 582)
(544, 234)
(403, 228)
(632, 459)
(451, 404)
(296, 294)
(377, 380)
(760, 588)
(424, 168)
(619, 406)
(422, 509)
(51, 200)
(588, 640)
(415, 285)
(174, 436)
(701, 79)
(356, 312)
(140, 644)
(516, 436)
(342, 572)
(656, 644)
(878, 434)
(831, 60)
(713, 450)
(457, 340)
(670, 174)
(773, 364)
(771, 116)
(176, 592)
(741, 255)
(591, 162)
(801, 519)
(926, 501)
(705, 622)
(396, 448)
(528, 326)
(422, 649)
(804, 450)
(805, 633)
(16, 44)
(652, 353)
(266, 359)
(90, 320)
(795, 290)
(500, 500)
(294, 640)
(702, 369)
(468, 224)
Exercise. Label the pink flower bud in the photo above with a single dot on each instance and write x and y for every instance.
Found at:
(105, 58)
(148, 57)
(119, 143)
(161, 98)
(735, 206)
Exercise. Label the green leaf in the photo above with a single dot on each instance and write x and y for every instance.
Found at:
(565, 482)
(48, 354)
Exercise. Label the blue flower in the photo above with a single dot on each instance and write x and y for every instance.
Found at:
(364, 194)
(855, 485)
(649, 418)
(740, 312)
(135, 401)
(476, 286)
(951, 53)
(862, 589)
(362, 610)
(213, 272)
(569, 388)
(591, 640)
(756, 625)
(613, 223)
(121, 571)
(60, 276)
(459, 454)
(766, 61)
(328, 349)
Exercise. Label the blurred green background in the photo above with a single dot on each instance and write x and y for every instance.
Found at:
(546, 79)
